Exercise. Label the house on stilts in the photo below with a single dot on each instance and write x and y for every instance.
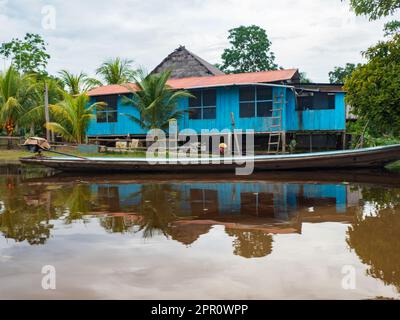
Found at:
(274, 104)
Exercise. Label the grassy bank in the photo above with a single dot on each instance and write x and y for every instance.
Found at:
(13, 155)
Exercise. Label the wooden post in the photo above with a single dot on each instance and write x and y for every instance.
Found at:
(234, 135)
(283, 141)
(46, 109)
(344, 140)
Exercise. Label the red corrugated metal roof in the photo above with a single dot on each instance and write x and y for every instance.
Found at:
(198, 82)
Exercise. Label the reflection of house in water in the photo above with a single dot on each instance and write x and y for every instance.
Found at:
(279, 201)
(250, 212)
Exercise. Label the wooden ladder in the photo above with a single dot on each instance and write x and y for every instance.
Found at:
(275, 136)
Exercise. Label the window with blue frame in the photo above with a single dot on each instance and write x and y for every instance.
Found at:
(108, 113)
(203, 106)
(255, 102)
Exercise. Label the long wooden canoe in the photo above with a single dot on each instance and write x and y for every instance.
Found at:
(359, 158)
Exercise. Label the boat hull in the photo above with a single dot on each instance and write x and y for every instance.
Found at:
(362, 158)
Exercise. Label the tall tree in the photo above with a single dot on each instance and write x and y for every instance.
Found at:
(375, 9)
(72, 117)
(155, 101)
(373, 89)
(76, 83)
(28, 55)
(33, 114)
(339, 74)
(117, 71)
(250, 51)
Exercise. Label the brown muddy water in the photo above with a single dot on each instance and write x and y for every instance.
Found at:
(315, 235)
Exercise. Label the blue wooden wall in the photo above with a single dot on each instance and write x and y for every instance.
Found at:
(317, 119)
(123, 126)
(228, 102)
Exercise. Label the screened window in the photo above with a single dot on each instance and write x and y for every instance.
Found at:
(108, 113)
(316, 101)
(203, 106)
(255, 102)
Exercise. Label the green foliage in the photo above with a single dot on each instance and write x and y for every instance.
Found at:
(365, 135)
(16, 94)
(375, 9)
(155, 101)
(33, 115)
(28, 55)
(373, 90)
(76, 83)
(250, 51)
(304, 78)
(117, 71)
(391, 28)
(339, 74)
(72, 117)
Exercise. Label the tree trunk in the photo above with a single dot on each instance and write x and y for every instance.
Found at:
(9, 143)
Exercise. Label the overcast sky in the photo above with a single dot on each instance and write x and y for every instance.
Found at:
(312, 35)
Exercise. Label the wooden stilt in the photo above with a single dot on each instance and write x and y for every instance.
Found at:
(344, 141)
(283, 141)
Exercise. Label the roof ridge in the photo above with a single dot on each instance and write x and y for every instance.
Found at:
(210, 68)
(235, 74)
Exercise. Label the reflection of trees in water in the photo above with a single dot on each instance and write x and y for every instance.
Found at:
(250, 243)
(118, 224)
(24, 220)
(159, 206)
(73, 202)
(376, 240)
(381, 197)
(29, 209)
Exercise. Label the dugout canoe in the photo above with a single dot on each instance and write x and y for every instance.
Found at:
(348, 159)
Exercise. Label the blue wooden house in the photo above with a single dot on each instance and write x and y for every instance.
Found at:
(272, 101)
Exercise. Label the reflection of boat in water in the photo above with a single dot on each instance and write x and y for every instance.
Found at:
(359, 158)
(362, 176)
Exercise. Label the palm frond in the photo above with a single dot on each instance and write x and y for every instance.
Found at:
(58, 128)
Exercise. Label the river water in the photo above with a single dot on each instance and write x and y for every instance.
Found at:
(307, 235)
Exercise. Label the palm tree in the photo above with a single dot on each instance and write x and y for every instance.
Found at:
(15, 91)
(77, 83)
(117, 71)
(73, 115)
(155, 100)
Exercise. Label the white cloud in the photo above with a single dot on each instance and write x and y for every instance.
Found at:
(313, 35)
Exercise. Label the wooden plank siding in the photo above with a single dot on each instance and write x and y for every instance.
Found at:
(317, 120)
(228, 102)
